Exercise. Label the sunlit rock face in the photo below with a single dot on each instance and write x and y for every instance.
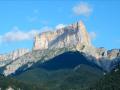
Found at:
(6, 58)
(14, 54)
(70, 35)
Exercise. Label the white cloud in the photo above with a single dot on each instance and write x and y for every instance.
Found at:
(92, 35)
(19, 35)
(60, 26)
(82, 9)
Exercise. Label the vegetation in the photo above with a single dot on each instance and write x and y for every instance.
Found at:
(8, 82)
(110, 81)
(67, 79)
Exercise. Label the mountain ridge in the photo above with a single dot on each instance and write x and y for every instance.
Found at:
(73, 37)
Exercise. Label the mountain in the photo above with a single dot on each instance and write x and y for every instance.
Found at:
(63, 59)
(8, 57)
(58, 74)
(70, 35)
(50, 44)
(61, 62)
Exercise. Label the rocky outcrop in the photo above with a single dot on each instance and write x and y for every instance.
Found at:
(5, 58)
(113, 53)
(70, 35)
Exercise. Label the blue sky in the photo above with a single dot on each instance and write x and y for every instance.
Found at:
(20, 20)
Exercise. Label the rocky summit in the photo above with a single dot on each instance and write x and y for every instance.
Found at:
(70, 35)
(50, 44)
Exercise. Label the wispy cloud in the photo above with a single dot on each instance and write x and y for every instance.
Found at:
(82, 9)
(59, 26)
(92, 35)
(19, 35)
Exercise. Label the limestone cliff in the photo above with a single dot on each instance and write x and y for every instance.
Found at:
(4, 58)
(70, 35)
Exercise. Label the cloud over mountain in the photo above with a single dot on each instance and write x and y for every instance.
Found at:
(60, 26)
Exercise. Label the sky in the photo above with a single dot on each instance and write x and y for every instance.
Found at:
(20, 20)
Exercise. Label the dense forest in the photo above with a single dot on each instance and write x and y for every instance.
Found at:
(110, 81)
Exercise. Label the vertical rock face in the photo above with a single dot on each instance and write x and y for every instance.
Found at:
(70, 35)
